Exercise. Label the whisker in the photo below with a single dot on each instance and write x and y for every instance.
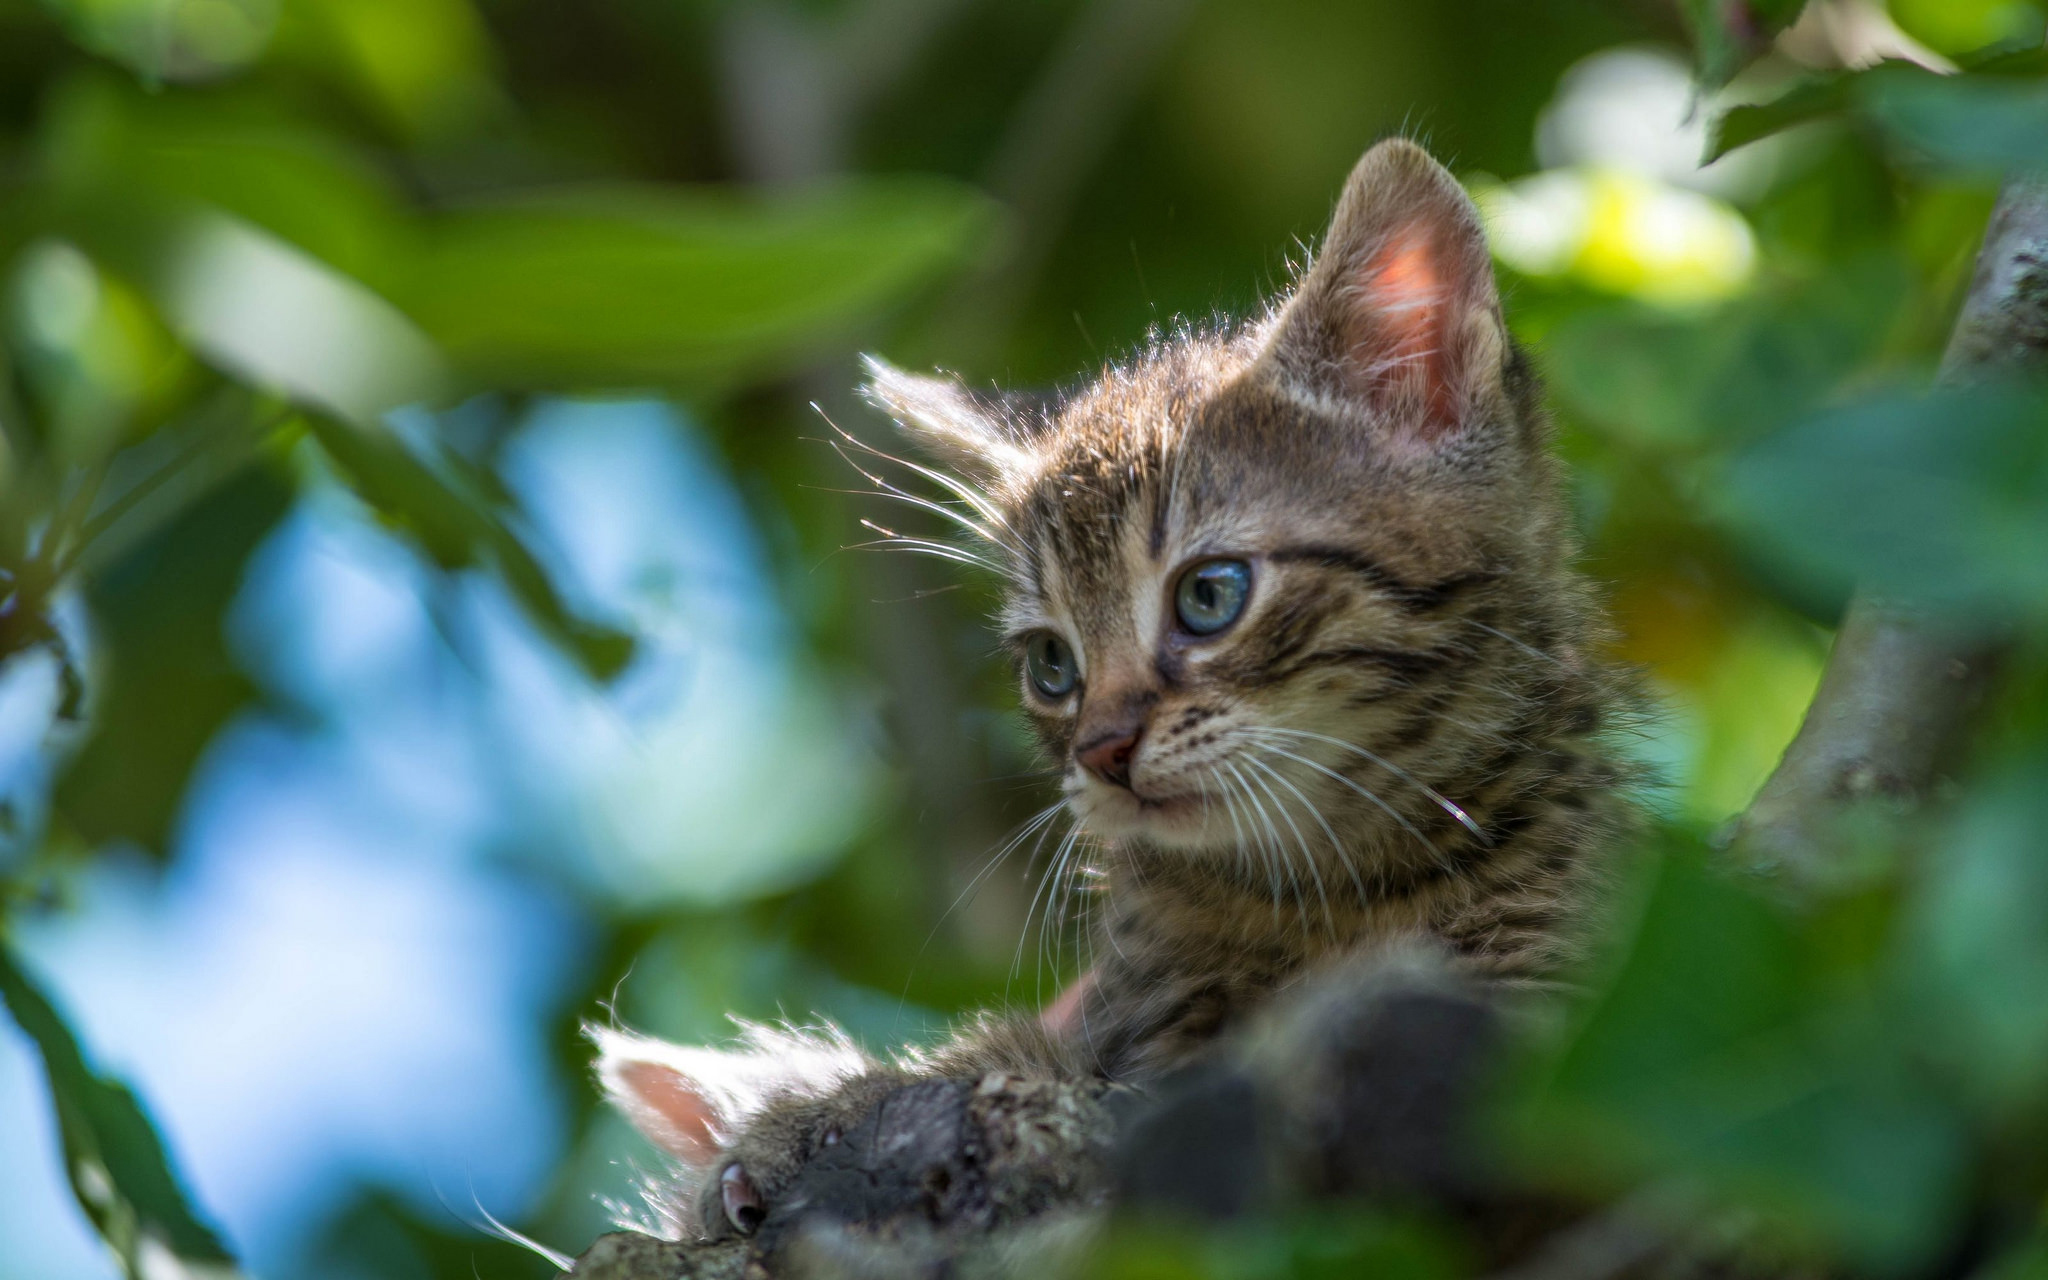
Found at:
(1056, 911)
(885, 488)
(945, 551)
(1315, 872)
(1037, 820)
(1464, 819)
(1516, 641)
(1244, 846)
(1275, 853)
(1045, 882)
(967, 493)
(1236, 829)
(1369, 794)
(1017, 962)
(1343, 854)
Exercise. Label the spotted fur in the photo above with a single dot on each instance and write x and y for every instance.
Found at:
(1404, 741)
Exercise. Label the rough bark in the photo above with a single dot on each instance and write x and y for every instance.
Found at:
(1901, 683)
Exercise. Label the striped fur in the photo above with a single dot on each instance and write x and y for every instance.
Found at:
(1405, 740)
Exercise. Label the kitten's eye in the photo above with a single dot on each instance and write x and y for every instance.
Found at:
(1050, 664)
(1211, 595)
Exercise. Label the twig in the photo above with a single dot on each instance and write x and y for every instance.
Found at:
(1900, 685)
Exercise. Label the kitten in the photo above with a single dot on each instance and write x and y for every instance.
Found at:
(1292, 605)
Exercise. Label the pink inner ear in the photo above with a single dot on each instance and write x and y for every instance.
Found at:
(1398, 325)
(671, 1111)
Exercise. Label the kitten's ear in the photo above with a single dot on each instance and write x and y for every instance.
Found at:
(1399, 313)
(960, 429)
(690, 1101)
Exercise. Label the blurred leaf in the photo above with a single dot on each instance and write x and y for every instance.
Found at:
(1941, 497)
(573, 289)
(282, 321)
(2028, 1262)
(423, 67)
(457, 520)
(160, 40)
(645, 286)
(99, 363)
(1925, 109)
(1736, 1051)
(149, 194)
(1728, 34)
(1659, 382)
(1981, 958)
(1982, 124)
(1957, 26)
(120, 158)
(117, 1164)
(1314, 1245)
(1804, 103)
(166, 680)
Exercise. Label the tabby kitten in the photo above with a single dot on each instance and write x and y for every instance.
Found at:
(1292, 604)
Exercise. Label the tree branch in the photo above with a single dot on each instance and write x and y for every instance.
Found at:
(1901, 684)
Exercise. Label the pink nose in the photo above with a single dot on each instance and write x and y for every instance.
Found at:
(1109, 757)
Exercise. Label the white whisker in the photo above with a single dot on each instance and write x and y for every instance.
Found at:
(1244, 846)
(1337, 848)
(1300, 843)
(1516, 641)
(967, 493)
(1448, 806)
(1276, 852)
(1369, 794)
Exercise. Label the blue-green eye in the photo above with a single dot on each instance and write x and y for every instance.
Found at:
(1211, 595)
(1050, 665)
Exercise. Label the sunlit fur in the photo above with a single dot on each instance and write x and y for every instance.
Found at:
(1403, 741)
(1406, 734)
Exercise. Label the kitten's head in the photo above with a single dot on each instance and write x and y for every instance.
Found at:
(1278, 588)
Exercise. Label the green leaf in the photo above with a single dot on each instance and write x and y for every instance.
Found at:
(458, 521)
(424, 67)
(161, 40)
(1729, 34)
(168, 682)
(1803, 103)
(1981, 124)
(1688, 383)
(217, 205)
(1322, 1244)
(1739, 1052)
(1939, 497)
(1927, 110)
(118, 1167)
(650, 287)
(1980, 961)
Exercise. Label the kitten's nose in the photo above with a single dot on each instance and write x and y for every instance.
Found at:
(1108, 756)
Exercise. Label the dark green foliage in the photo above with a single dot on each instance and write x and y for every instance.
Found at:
(118, 1167)
(1747, 1053)
(170, 682)
(1990, 118)
(622, 287)
(1729, 34)
(534, 197)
